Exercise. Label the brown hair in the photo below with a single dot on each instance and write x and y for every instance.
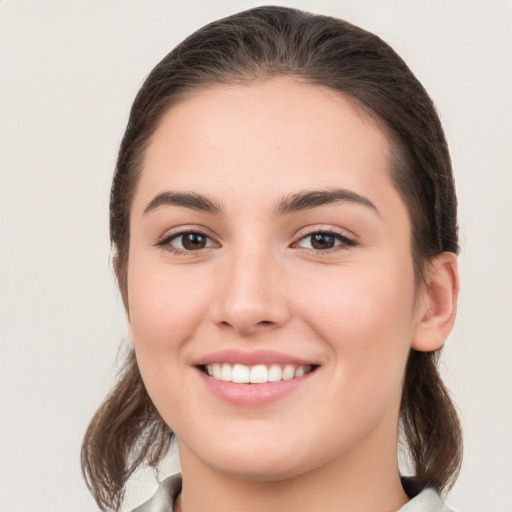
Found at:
(127, 431)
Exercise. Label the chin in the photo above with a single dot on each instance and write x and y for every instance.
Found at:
(260, 461)
(260, 469)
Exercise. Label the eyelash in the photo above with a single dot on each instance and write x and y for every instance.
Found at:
(345, 242)
(166, 242)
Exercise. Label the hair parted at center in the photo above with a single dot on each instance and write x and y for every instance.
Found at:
(127, 431)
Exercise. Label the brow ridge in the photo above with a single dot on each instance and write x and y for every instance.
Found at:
(306, 200)
(299, 201)
(186, 199)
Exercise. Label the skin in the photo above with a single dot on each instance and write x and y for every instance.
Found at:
(355, 309)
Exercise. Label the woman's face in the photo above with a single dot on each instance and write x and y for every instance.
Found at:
(267, 240)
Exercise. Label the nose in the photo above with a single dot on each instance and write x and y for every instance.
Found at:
(252, 294)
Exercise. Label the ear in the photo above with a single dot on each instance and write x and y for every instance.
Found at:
(437, 304)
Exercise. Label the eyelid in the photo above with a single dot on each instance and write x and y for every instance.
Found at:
(325, 228)
(164, 240)
(348, 239)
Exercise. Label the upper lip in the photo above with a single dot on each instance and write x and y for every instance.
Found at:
(233, 356)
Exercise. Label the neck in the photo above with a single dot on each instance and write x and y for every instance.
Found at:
(366, 483)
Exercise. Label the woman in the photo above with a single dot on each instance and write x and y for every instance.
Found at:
(283, 216)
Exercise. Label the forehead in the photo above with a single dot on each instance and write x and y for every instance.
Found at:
(264, 136)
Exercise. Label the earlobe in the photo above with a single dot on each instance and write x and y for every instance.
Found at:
(437, 307)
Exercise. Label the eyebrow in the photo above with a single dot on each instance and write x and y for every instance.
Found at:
(185, 199)
(293, 203)
(314, 198)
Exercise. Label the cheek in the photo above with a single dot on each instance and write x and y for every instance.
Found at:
(366, 320)
(165, 309)
(366, 315)
(362, 299)
(164, 306)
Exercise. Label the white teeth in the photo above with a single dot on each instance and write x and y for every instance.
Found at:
(241, 374)
(300, 371)
(274, 373)
(216, 371)
(258, 374)
(226, 373)
(288, 372)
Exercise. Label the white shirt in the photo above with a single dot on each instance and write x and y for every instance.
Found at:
(427, 500)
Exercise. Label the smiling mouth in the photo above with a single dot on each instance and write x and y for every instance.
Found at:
(257, 374)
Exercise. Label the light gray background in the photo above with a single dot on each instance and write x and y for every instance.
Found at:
(68, 72)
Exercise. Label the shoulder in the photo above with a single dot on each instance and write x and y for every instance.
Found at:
(164, 497)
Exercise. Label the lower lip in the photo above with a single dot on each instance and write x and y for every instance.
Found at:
(254, 394)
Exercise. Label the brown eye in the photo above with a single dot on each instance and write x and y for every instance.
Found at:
(187, 242)
(193, 241)
(325, 240)
(321, 241)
